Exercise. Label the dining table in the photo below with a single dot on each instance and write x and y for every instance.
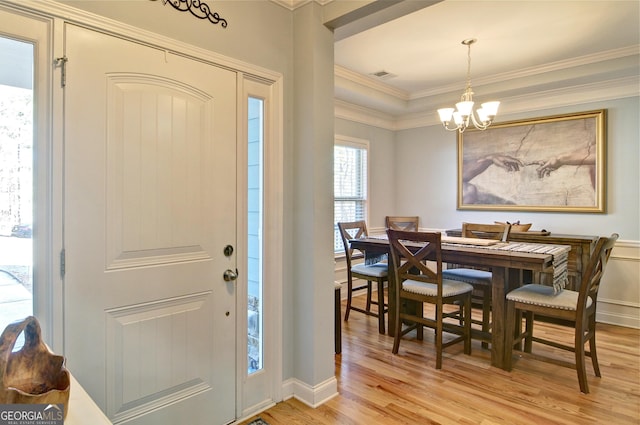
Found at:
(507, 261)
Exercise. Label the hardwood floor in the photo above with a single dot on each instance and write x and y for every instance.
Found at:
(377, 387)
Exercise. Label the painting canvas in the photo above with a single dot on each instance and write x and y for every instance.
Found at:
(554, 163)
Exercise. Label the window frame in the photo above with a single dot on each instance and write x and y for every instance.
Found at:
(356, 143)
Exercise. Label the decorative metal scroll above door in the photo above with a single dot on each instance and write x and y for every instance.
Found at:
(198, 9)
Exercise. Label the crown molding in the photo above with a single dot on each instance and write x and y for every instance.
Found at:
(540, 100)
(535, 70)
(294, 4)
(363, 115)
(370, 83)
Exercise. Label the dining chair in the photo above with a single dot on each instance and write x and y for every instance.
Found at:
(416, 264)
(480, 279)
(574, 309)
(402, 222)
(377, 272)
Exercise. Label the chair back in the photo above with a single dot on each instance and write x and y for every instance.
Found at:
(590, 284)
(409, 252)
(487, 231)
(351, 230)
(408, 223)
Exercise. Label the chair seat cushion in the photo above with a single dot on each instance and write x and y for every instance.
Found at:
(472, 276)
(449, 287)
(373, 270)
(545, 296)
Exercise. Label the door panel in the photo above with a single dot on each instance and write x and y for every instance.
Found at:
(150, 201)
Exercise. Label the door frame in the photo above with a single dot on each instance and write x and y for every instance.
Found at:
(50, 125)
(47, 234)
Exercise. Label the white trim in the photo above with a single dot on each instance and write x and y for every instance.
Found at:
(311, 396)
(535, 70)
(567, 96)
(619, 313)
(123, 30)
(267, 380)
(47, 169)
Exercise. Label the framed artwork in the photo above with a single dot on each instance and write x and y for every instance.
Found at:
(554, 163)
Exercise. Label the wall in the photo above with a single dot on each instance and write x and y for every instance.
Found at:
(430, 155)
(262, 33)
(424, 178)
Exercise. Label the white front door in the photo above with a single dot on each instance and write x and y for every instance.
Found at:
(150, 205)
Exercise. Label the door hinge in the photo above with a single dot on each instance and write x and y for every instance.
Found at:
(63, 262)
(62, 63)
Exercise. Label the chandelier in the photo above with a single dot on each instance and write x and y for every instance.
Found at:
(464, 115)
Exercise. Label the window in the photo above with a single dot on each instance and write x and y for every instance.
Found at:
(349, 184)
(255, 131)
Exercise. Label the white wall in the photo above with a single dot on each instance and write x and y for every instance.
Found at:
(261, 33)
(429, 155)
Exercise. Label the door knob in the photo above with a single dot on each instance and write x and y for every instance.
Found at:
(229, 275)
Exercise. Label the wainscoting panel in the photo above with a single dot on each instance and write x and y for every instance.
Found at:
(619, 298)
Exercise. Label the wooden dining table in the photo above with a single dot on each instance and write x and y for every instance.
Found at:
(506, 266)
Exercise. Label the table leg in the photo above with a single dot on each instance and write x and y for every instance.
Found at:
(391, 312)
(503, 281)
(498, 316)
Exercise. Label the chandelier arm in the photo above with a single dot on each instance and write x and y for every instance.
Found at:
(477, 124)
(446, 127)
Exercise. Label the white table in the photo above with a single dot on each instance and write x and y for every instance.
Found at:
(82, 409)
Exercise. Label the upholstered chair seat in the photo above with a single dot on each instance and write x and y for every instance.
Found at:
(545, 296)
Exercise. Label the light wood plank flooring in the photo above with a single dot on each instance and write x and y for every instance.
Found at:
(377, 387)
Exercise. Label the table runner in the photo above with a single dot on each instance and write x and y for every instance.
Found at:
(560, 255)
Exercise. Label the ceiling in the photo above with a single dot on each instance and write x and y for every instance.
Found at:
(523, 48)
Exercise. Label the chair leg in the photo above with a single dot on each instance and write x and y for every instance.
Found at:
(398, 334)
(369, 295)
(580, 359)
(338, 322)
(439, 313)
(467, 325)
(486, 313)
(528, 329)
(380, 288)
(510, 333)
(419, 308)
(349, 295)
(592, 346)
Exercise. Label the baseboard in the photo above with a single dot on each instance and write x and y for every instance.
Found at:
(255, 410)
(312, 396)
(617, 313)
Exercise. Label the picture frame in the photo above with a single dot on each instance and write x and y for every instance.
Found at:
(554, 163)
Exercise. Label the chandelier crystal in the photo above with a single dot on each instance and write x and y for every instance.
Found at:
(464, 115)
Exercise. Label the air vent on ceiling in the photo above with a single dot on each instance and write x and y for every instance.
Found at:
(383, 75)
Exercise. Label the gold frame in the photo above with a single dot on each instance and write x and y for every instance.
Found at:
(555, 163)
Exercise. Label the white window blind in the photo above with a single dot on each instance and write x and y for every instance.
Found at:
(349, 185)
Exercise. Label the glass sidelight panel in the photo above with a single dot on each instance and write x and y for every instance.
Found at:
(255, 188)
(16, 180)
